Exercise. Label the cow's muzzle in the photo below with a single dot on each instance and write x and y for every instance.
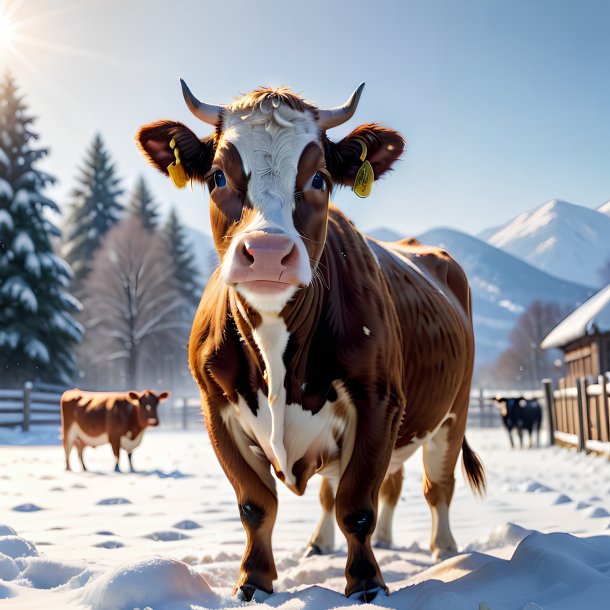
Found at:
(265, 262)
(152, 422)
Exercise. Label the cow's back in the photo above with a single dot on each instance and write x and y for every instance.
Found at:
(432, 300)
(92, 412)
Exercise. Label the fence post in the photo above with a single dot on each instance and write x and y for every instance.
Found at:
(604, 424)
(184, 414)
(27, 405)
(583, 419)
(547, 385)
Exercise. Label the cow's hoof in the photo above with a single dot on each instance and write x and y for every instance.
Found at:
(117, 469)
(315, 549)
(249, 593)
(439, 555)
(367, 590)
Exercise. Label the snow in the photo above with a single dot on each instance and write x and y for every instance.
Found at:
(4, 159)
(23, 244)
(564, 239)
(6, 220)
(177, 543)
(22, 199)
(5, 188)
(36, 349)
(591, 317)
(16, 288)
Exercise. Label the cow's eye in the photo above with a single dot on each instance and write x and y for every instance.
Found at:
(220, 179)
(317, 182)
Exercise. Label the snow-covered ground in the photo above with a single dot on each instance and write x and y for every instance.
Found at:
(169, 537)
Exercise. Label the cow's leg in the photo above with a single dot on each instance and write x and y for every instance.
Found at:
(67, 443)
(115, 442)
(257, 502)
(67, 435)
(358, 496)
(520, 435)
(80, 447)
(388, 498)
(131, 468)
(323, 539)
(510, 436)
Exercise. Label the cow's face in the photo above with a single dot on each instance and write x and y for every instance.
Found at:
(146, 404)
(270, 168)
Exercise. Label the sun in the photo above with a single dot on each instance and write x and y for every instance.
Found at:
(7, 30)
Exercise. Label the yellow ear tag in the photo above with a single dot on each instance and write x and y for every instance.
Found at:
(176, 169)
(363, 183)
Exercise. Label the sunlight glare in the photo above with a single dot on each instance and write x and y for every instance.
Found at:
(6, 30)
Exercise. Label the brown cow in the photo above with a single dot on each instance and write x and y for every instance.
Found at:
(316, 348)
(96, 418)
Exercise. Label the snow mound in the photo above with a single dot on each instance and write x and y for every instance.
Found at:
(44, 573)
(167, 536)
(15, 546)
(562, 499)
(534, 487)
(597, 512)
(27, 508)
(503, 535)
(8, 568)
(7, 530)
(155, 582)
(187, 524)
(113, 501)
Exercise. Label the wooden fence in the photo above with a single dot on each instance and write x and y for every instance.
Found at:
(30, 405)
(580, 416)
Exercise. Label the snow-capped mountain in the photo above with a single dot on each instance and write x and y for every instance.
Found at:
(502, 286)
(604, 208)
(566, 240)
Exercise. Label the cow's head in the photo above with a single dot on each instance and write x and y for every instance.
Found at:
(270, 167)
(146, 404)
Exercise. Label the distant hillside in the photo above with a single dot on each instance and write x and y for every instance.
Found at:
(566, 240)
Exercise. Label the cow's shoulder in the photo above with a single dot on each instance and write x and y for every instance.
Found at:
(219, 357)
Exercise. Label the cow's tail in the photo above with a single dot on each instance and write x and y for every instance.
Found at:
(473, 467)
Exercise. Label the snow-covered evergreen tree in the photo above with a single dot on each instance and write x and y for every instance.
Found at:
(95, 208)
(37, 330)
(142, 205)
(189, 280)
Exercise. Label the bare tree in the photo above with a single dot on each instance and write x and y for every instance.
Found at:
(133, 310)
(523, 363)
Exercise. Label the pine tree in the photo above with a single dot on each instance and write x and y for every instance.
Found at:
(37, 330)
(142, 205)
(95, 209)
(188, 277)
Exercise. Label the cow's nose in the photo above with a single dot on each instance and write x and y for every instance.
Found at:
(260, 256)
(269, 250)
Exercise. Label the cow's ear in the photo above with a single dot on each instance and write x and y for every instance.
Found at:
(164, 396)
(383, 147)
(195, 155)
(134, 396)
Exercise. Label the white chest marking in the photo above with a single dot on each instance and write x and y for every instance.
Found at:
(92, 441)
(129, 444)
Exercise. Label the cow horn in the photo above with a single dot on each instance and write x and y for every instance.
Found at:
(208, 113)
(333, 117)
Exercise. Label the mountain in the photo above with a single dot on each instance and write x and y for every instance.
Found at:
(384, 234)
(604, 208)
(502, 287)
(566, 240)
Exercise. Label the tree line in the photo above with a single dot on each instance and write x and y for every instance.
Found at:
(106, 303)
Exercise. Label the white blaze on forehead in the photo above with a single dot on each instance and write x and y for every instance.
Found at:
(270, 142)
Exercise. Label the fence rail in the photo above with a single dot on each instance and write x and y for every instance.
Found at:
(581, 415)
(31, 405)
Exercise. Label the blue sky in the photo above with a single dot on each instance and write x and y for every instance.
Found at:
(504, 104)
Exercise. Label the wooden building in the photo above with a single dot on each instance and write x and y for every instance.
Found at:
(584, 338)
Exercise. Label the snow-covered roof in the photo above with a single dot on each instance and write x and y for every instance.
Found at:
(590, 317)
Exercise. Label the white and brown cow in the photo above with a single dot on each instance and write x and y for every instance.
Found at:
(316, 348)
(90, 419)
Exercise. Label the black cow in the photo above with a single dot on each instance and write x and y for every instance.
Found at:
(521, 414)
